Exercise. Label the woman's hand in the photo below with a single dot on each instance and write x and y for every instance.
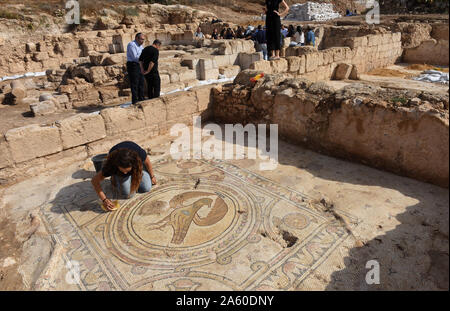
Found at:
(109, 205)
(276, 12)
(153, 180)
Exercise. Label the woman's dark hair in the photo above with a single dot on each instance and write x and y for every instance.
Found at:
(125, 158)
(299, 29)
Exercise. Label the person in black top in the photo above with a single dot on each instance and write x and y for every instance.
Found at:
(149, 68)
(130, 170)
(215, 34)
(273, 26)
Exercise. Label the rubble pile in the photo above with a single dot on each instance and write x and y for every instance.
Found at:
(312, 11)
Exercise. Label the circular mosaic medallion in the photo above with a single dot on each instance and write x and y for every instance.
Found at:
(175, 225)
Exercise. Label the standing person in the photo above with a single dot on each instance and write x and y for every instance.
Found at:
(130, 169)
(273, 26)
(149, 68)
(134, 50)
(310, 37)
(262, 42)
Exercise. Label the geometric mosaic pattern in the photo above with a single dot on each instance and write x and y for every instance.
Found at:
(207, 225)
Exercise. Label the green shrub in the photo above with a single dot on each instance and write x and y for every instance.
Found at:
(10, 15)
(401, 100)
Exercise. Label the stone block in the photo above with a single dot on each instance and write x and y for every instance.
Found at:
(122, 41)
(81, 129)
(343, 71)
(30, 47)
(338, 54)
(121, 120)
(33, 141)
(225, 48)
(248, 46)
(207, 63)
(43, 108)
(97, 59)
(5, 155)
(180, 104)
(229, 71)
(262, 65)
(191, 62)
(155, 111)
(204, 97)
(187, 75)
(165, 79)
(223, 60)
(293, 63)
(115, 59)
(236, 46)
(210, 74)
(107, 94)
(312, 61)
(279, 65)
(302, 65)
(97, 75)
(246, 59)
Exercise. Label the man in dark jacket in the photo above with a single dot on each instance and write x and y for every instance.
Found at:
(149, 68)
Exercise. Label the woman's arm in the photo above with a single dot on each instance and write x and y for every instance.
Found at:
(148, 164)
(286, 9)
(98, 188)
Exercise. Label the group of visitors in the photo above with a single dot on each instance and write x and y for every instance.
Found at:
(268, 39)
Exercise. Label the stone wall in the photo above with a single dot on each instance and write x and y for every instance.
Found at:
(434, 50)
(362, 53)
(359, 123)
(34, 148)
(55, 50)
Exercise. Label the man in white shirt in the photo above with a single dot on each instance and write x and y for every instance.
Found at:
(199, 34)
(134, 50)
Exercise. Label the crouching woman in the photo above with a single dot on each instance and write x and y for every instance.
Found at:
(130, 170)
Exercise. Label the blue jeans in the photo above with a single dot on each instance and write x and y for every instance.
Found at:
(264, 50)
(123, 185)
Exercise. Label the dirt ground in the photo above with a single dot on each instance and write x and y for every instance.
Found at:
(400, 222)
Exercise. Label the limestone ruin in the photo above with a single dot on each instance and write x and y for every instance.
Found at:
(363, 166)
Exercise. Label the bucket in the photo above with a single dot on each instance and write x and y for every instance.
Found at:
(98, 161)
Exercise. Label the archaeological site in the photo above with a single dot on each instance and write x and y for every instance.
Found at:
(324, 169)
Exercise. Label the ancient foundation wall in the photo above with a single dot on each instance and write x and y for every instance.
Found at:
(434, 51)
(55, 50)
(355, 125)
(35, 148)
(361, 54)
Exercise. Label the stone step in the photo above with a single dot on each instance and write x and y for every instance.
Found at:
(229, 71)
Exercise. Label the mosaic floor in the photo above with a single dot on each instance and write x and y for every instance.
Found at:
(207, 225)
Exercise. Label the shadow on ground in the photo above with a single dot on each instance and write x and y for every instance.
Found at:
(80, 195)
(414, 255)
